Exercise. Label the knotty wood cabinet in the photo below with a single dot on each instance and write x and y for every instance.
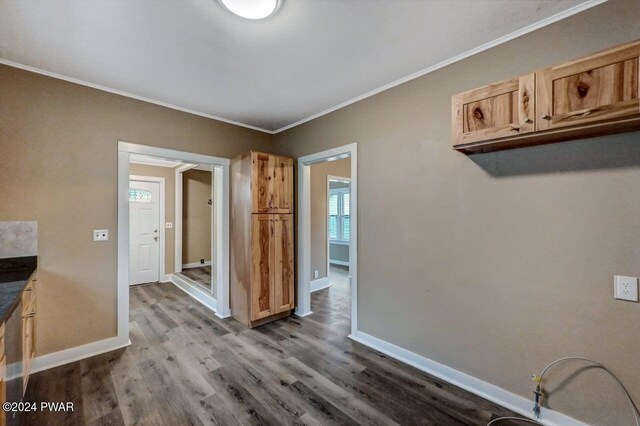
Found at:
(591, 96)
(3, 375)
(262, 247)
(28, 330)
(271, 183)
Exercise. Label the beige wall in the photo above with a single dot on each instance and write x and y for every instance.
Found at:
(318, 182)
(169, 176)
(196, 216)
(497, 264)
(58, 160)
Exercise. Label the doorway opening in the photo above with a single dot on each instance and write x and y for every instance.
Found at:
(327, 232)
(195, 225)
(150, 225)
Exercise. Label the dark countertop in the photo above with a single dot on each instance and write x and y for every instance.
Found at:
(14, 276)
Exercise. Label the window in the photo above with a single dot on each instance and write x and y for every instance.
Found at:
(139, 195)
(339, 219)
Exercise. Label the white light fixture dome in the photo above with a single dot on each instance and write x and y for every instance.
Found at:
(252, 9)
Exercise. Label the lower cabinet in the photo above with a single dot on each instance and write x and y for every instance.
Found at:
(28, 330)
(272, 277)
(3, 375)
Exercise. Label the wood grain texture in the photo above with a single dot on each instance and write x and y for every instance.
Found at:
(29, 297)
(208, 371)
(526, 103)
(595, 95)
(283, 192)
(262, 182)
(283, 263)
(240, 238)
(262, 261)
(3, 375)
(596, 87)
(262, 196)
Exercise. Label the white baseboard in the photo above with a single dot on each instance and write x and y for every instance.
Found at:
(472, 384)
(301, 314)
(66, 356)
(320, 284)
(199, 295)
(338, 262)
(165, 278)
(196, 264)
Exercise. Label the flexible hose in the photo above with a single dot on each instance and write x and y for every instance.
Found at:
(634, 407)
(499, 419)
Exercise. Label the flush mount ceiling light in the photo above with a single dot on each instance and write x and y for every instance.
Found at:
(252, 9)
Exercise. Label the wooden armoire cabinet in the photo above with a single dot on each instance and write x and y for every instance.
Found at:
(262, 247)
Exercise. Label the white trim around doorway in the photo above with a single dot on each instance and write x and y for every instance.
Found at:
(304, 228)
(221, 234)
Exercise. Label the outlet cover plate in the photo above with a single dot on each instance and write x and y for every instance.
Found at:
(100, 235)
(625, 288)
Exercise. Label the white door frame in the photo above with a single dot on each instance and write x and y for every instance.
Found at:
(161, 259)
(221, 169)
(330, 178)
(178, 214)
(303, 307)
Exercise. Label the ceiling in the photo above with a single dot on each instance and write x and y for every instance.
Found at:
(311, 57)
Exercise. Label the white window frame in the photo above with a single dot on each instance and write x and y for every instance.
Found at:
(341, 192)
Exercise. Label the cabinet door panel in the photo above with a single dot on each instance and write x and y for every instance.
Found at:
(262, 173)
(262, 296)
(499, 110)
(283, 186)
(283, 265)
(601, 87)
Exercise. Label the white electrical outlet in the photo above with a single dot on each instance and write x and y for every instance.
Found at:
(625, 288)
(100, 235)
(315, 274)
(169, 225)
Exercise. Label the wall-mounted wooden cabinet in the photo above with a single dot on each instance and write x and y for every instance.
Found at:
(262, 248)
(592, 96)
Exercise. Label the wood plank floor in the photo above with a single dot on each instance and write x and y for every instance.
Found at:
(201, 275)
(187, 367)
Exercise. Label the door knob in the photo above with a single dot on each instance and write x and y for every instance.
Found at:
(155, 238)
(155, 230)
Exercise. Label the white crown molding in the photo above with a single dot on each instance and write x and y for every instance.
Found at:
(501, 40)
(588, 4)
(127, 94)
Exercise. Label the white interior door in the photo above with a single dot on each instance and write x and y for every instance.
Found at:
(144, 232)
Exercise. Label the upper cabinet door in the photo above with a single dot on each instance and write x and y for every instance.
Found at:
(499, 110)
(262, 182)
(283, 185)
(598, 88)
(283, 263)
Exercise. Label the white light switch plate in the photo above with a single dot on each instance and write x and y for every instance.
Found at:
(625, 288)
(100, 235)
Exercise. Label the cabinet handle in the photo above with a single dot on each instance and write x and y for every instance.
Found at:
(546, 117)
(28, 289)
(31, 315)
(528, 121)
